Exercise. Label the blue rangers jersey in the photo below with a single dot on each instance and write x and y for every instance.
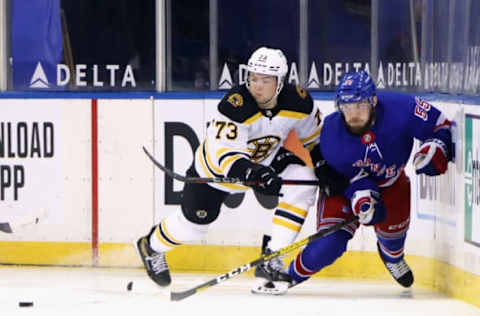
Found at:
(380, 155)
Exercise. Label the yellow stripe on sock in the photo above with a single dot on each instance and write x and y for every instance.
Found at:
(165, 231)
(161, 239)
(298, 211)
(286, 224)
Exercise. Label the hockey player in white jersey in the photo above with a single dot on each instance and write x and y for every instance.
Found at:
(244, 140)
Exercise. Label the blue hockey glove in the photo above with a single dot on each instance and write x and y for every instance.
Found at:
(369, 208)
(431, 159)
(283, 158)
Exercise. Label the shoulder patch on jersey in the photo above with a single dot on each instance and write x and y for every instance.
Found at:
(302, 92)
(235, 99)
(238, 105)
(295, 98)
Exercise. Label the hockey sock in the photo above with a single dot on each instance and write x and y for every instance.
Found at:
(175, 230)
(318, 254)
(392, 250)
(287, 222)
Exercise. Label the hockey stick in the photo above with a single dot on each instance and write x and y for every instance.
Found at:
(179, 177)
(177, 296)
(13, 225)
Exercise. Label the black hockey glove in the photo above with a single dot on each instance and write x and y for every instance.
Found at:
(330, 182)
(269, 182)
(283, 158)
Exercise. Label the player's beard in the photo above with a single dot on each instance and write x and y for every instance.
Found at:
(360, 130)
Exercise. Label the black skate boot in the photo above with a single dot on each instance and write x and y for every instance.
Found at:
(155, 262)
(400, 271)
(271, 277)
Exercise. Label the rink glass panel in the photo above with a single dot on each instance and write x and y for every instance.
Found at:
(408, 45)
(82, 45)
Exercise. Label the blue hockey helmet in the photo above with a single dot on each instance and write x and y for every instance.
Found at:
(355, 87)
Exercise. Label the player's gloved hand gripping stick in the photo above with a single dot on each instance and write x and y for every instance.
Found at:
(177, 296)
(179, 177)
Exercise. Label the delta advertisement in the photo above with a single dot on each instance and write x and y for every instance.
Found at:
(320, 75)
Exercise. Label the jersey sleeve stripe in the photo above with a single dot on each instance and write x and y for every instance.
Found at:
(209, 173)
(292, 114)
(221, 151)
(311, 137)
(206, 169)
(227, 152)
(218, 172)
(310, 146)
(229, 161)
(254, 118)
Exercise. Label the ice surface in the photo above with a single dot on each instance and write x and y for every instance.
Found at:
(103, 291)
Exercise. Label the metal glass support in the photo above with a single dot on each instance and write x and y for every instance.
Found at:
(452, 11)
(413, 30)
(374, 40)
(161, 32)
(213, 47)
(469, 60)
(427, 39)
(303, 43)
(3, 46)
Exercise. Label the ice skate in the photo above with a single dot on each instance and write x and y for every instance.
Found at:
(155, 262)
(400, 270)
(271, 277)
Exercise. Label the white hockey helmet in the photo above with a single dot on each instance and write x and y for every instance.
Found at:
(269, 61)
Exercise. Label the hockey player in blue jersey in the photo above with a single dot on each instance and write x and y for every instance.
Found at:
(369, 140)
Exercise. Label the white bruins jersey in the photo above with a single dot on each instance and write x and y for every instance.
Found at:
(240, 129)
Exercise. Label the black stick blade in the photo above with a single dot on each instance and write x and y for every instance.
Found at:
(169, 172)
(178, 296)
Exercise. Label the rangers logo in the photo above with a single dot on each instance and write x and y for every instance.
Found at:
(368, 138)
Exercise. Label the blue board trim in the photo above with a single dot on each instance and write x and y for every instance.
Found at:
(316, 95)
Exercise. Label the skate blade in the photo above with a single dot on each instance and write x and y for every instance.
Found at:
(266, 287)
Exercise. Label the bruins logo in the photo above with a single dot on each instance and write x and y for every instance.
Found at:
(235, 99)
(301, 92)
(262, 147)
